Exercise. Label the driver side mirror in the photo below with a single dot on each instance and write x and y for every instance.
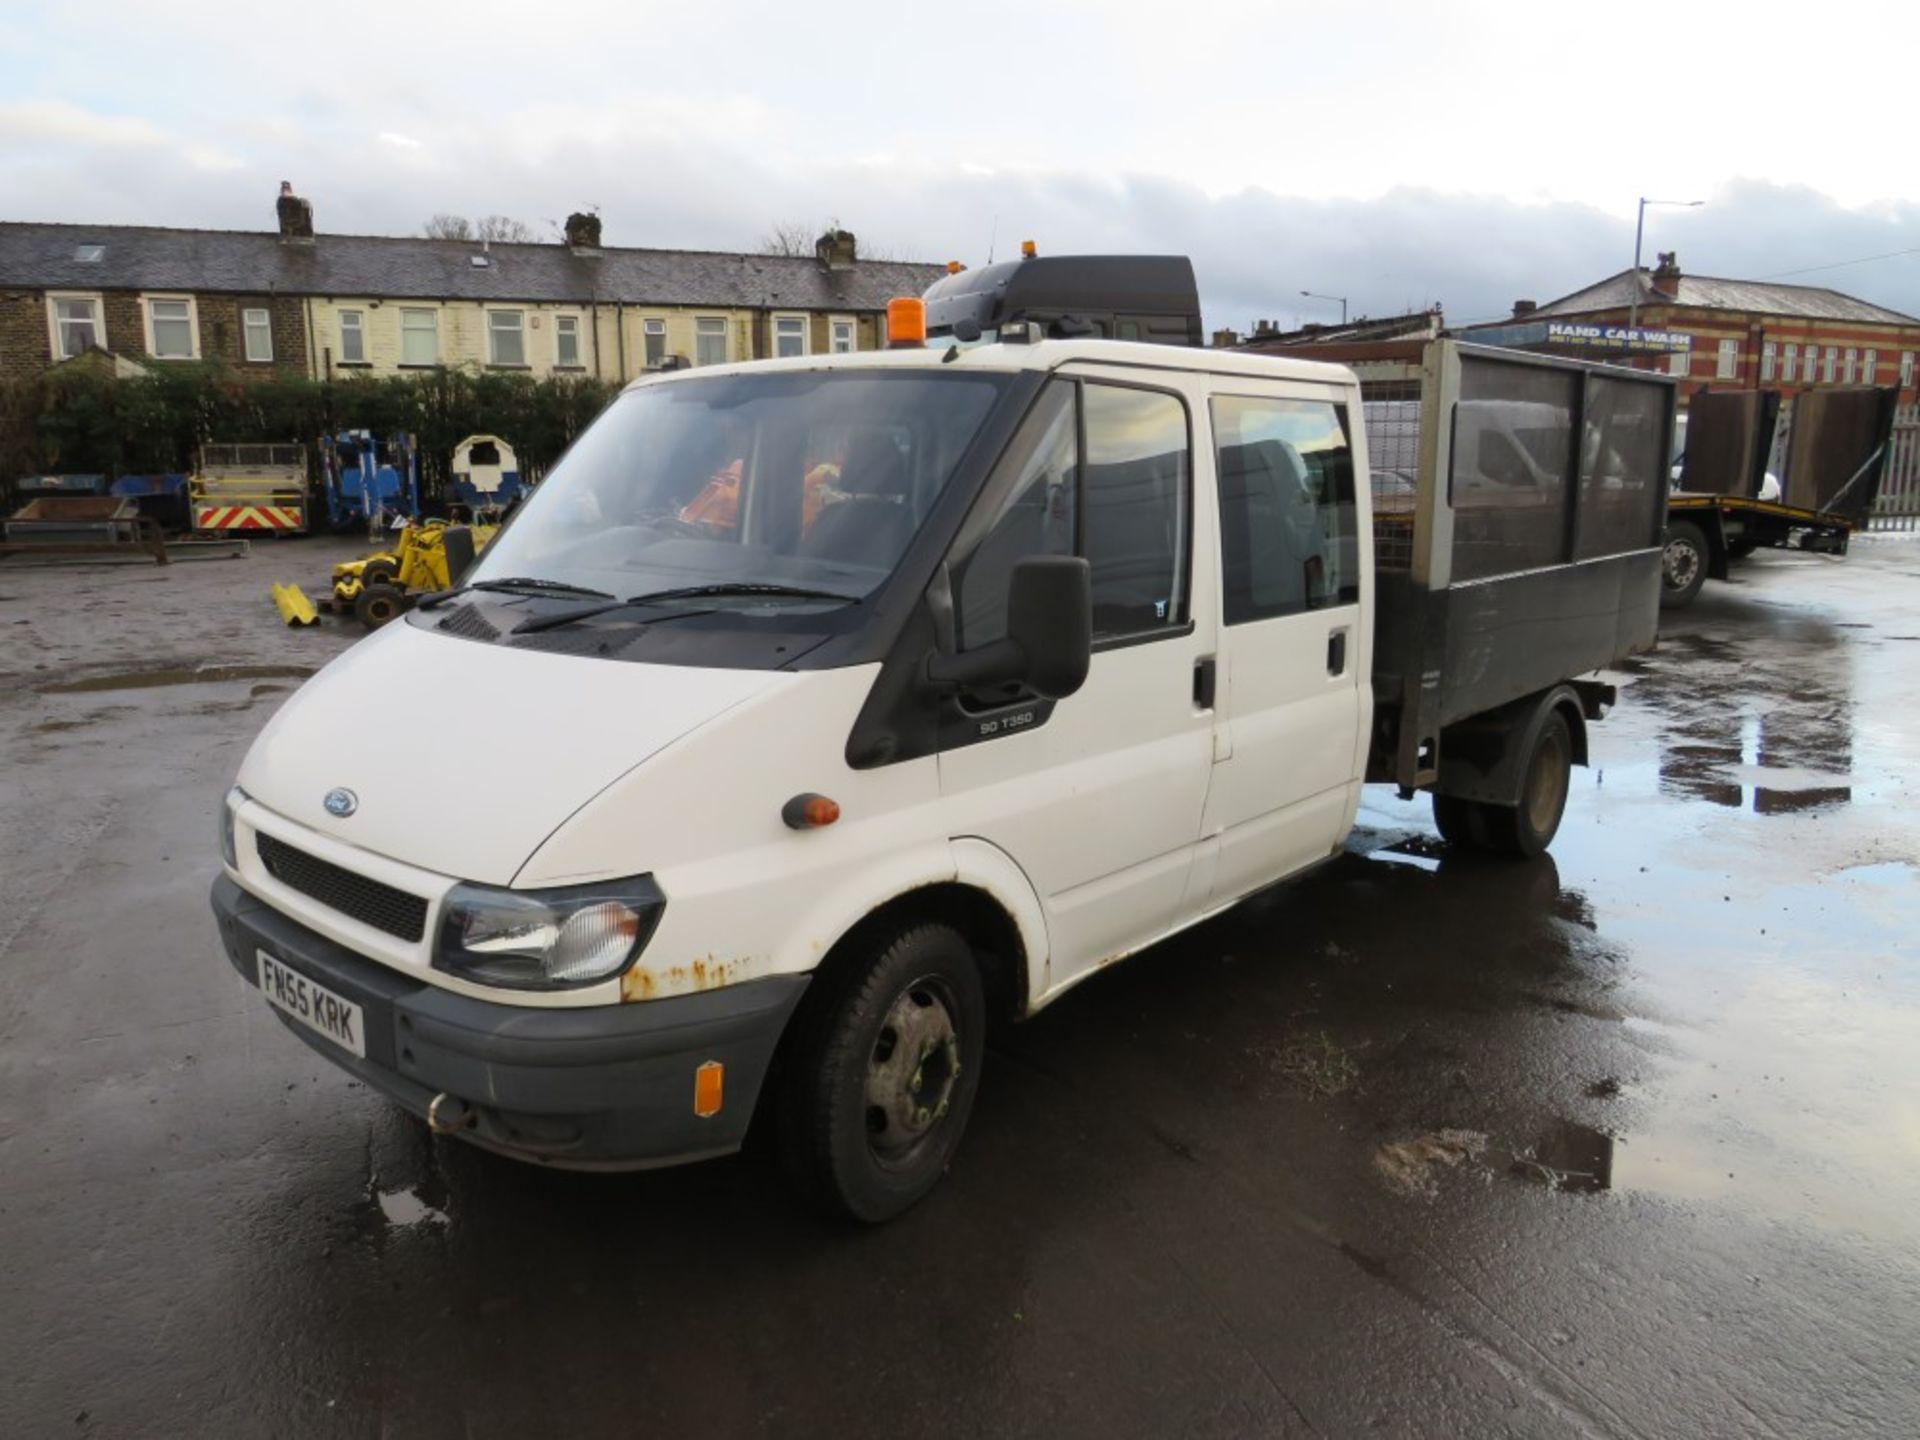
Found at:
(1049, 641)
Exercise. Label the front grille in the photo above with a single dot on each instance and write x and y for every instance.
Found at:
(368, 901)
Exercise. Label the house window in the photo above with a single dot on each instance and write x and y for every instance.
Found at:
(655, 340)
(1833, 358)
(1869, 367)
(256, 327)
(1790, 360)
(709, 341)
(506, 337)
(789, 335)
(1906, 369)
(842, 337)
(419, 337)
(353, 338)
(1852, 364)
(1729, 360)
(1677, 362)
(76, 325)
(1766, 360)
(170, 329)
(566, 341)
(1812, 365)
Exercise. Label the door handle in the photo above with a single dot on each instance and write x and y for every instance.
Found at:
(1337, 653)
(1203, 683)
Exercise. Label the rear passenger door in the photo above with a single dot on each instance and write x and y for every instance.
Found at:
(1293, 710)
(1098, 798)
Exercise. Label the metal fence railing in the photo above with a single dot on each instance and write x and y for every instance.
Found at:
(1898, 504)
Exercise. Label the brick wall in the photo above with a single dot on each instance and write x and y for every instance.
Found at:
(223, 332)
(24, 347)
(126, 327)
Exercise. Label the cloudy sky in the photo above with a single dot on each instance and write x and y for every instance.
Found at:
(1397, 153)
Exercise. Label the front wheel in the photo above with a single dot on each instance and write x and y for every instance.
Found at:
(886, 1065)
(1683, 564)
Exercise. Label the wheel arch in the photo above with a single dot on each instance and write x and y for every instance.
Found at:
(1483, 758)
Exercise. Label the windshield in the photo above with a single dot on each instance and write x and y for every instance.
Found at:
(798, 481)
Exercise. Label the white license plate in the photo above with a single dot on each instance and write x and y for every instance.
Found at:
(314, 1006)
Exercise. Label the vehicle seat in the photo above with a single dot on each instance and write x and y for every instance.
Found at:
(873, 520)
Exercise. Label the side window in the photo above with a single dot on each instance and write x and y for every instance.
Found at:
(1135, 509)
(1287, 531)
(1035, 518)
(1127, 511)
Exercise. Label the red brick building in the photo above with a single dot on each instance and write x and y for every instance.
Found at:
(1749, 334)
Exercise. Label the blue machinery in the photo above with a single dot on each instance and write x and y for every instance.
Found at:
(369, 482)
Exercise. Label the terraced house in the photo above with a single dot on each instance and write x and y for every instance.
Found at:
(331, 305)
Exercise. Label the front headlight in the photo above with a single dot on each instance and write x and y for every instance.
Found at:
(546, 939)
(229, 851)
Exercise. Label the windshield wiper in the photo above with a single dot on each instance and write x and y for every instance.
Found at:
(741, 587)
(516, 582)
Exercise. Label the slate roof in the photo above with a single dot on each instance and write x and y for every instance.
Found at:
(38, 256)
(1759, 297)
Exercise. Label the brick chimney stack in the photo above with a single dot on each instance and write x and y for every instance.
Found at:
(1666, 274)
(296, 217)
(835, 250)
(583, 233)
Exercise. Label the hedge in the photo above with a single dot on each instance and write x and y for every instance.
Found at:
(79, 418)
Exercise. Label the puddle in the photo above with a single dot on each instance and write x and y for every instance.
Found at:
(1567, 1156)
(404, 1209)
(151, 679)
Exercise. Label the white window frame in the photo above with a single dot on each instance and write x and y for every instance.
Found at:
(1727, 366)
(1679, 362)
(806, 333)
(1789, 362)
(834, 323)
(57, 298)
(1768, 353)
(1869, 366)
(1850, 365)
(652, 327)
(1832, 360)
(726, 339)
(359, 329)
(248, 327)
(1810, 364)
(147, 302)
(518, 329)
(1906, 369)
(432, 328)
(560, 322)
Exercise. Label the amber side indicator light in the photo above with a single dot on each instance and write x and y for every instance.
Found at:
(709, 1089)
(809, 811)
(906, 323)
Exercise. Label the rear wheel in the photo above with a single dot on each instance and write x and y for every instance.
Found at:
(1683, 564)
(380, 572)
(1528, 828)
(1453, 817)
(886, 1065)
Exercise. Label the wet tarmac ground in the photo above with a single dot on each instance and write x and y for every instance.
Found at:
(1623, 1142)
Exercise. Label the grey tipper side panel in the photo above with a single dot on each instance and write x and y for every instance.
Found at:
(1518, 634)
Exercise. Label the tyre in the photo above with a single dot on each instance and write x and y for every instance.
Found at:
(1454, 819)
(376, 604)
(1528, 828)
(380, 572)
(1683, 564)
(885, 1067)
(1740, 549)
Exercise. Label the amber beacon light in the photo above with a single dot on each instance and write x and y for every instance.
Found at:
(906, 323)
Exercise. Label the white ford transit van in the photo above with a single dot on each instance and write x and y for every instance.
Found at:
(812, 710)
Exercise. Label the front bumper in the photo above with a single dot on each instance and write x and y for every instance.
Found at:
(591, 1087)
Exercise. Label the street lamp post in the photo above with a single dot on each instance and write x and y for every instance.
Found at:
(1639, 228)
(1341, 298)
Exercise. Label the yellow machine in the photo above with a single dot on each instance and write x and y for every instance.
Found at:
(427, 555)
